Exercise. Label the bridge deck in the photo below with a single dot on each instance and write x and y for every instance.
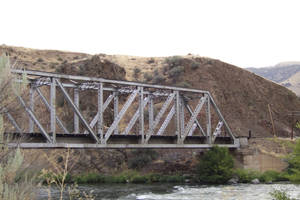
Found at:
(36, 140)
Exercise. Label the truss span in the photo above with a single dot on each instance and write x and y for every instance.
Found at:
(124, 115)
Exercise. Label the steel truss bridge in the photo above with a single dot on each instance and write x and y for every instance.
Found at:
(155, 116)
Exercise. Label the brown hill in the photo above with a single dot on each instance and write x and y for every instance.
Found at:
(242, 96)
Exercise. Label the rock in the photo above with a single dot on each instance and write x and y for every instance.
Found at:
(269, 182)
(233, 181)
(255, 181)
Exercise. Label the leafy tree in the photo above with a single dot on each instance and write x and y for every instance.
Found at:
(294, 164)
(215, 166)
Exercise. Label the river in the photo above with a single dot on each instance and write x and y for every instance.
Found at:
(179, 192)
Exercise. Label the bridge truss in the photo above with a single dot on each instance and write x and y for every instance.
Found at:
(143, 115)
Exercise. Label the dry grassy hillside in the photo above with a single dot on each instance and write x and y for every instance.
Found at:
(242, 96)
(293, 83)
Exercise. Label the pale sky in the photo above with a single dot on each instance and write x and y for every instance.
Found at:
(246, 33)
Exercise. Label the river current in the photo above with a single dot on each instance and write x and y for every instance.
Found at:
(180, 192)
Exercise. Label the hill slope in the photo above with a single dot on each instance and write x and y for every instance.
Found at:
(242, 96)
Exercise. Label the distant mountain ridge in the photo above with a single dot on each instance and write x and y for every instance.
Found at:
(277, 73)
(286, 74)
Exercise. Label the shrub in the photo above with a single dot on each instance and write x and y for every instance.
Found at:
(89, 178)
(14, 183)
(153, 178)
(176, 71)
(116, 179)
(246, 175)
(148, 77)
(174, 61)
(150, 61)
(159, 79)
(40, 60)
(195, 65)
(280, 195)
(215, 166)
(172, 179)
(270, 176)
(138, 179)
(136, 72)
(141, 158)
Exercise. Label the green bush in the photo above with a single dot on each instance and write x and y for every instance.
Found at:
(280, 195)
(89, 178)
(159, 79)
(116, 179)
(153, 178)
(176, 71)
(215, 166)
(270, 176)
(139, 179)
(171, 179)
(246, 175)
(174, 61)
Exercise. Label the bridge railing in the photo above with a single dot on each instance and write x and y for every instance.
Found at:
(164, 116)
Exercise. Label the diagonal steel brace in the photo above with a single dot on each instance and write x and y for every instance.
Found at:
(76, 110)
(43, 98)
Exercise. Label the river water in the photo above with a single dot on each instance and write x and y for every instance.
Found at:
(179, 192)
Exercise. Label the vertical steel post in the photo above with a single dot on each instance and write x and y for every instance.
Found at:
(292, 132)
(31, 106)
(182, 116)
(151, 114)
(177, 108)
(116, 110)
(53, 107)
(100, 111)
(141, 108)
(76, 102)
(208, 118)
